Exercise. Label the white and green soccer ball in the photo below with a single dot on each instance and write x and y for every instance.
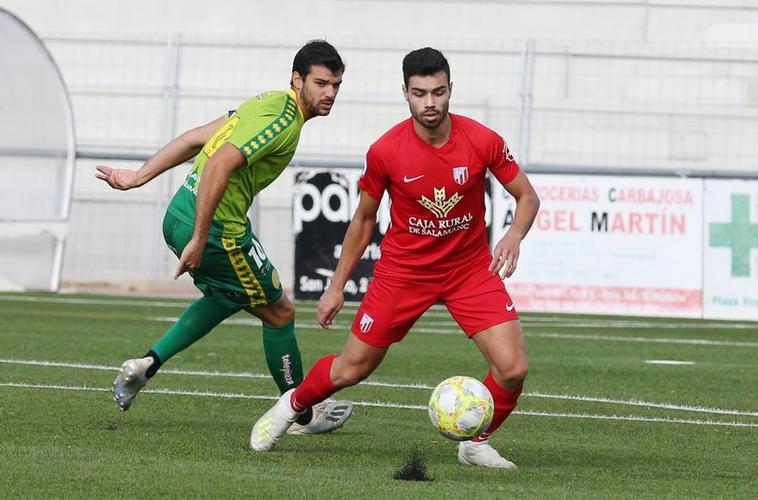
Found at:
(461, 408)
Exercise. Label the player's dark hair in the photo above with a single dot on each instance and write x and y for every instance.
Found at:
(317, 53)
(424, 62)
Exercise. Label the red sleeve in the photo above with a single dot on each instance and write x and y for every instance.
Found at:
(501, 161)
(374, 180)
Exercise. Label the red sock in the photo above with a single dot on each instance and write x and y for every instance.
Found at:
(316, 386)
(505, 402)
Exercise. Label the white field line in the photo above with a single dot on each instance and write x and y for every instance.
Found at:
(452, 327)
(92, 302)
(646, 404)
(672, 362)
(536, 323)
(86, 366)
(590, 399)
(582, 322)
(644, 340)
(381, 404)
(435, 312)
(634, 418)
(549, 335)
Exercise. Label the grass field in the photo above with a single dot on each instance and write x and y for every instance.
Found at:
(605, 413)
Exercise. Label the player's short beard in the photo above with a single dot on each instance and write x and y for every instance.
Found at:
(440, 118)
(305, 98)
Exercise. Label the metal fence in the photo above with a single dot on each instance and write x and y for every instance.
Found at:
(568, 107)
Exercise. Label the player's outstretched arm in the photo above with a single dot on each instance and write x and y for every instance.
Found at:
(183, 148)
(506, 252)
(213, 182)
(357, 238)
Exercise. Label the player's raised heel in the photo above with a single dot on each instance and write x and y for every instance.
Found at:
(328, 416)
(132, 376)
(273, 424)
(481, 454)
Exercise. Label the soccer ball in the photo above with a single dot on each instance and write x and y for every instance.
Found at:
(461, 408)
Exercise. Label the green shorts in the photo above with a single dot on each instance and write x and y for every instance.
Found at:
(234, 271)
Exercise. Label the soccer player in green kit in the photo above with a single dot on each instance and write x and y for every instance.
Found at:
(206, 225)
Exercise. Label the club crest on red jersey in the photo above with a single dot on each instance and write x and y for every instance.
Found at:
(460, 174)
(441, 205)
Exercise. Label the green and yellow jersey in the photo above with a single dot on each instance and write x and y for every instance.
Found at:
(265, 129)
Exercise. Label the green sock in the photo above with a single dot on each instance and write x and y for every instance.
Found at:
(283, 356)
(197, 320)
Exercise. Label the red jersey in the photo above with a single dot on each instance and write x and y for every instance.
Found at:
(437, 194)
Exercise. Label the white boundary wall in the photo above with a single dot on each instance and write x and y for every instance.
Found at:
(679, 21)
(703, 118)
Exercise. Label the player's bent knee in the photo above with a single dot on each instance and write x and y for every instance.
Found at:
(286, 311)
(512, 375)
(278, 321)
(283, 312)
(288, 316)
(517, 374)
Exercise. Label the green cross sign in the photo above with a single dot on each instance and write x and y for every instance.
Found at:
(740, 235)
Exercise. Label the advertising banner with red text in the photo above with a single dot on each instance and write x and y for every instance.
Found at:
(609, 245)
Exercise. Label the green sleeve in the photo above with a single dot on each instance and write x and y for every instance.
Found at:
(262, 129)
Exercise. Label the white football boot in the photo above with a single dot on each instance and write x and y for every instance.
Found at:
(273, 424)
(131, 378)
(481, 454)
(328, 416)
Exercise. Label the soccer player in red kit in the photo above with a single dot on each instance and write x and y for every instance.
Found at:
(433, 166)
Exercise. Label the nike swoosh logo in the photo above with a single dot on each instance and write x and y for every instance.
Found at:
(407, 179)
(510, 307)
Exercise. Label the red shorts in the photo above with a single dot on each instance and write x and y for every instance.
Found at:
(475, 298)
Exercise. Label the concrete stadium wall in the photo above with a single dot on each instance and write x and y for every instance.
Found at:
(115, 237)
(641, 20)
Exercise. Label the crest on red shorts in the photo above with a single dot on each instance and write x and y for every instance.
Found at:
(460, 174)
(366, 323)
